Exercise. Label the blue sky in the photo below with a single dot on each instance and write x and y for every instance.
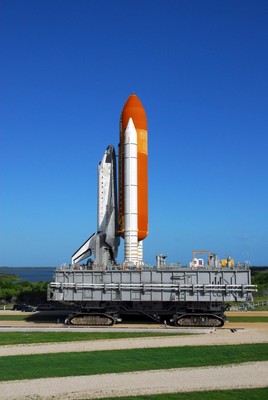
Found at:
(200, 69)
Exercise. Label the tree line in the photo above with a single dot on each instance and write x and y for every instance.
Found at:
(260, 278)
(13, 290)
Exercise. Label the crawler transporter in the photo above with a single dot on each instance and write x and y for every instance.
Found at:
(195, 296)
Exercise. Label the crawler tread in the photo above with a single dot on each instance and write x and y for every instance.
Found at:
(199, 320)
(91, 319)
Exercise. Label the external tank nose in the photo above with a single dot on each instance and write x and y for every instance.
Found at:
(134, 109)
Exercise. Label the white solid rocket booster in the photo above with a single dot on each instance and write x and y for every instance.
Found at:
(131, 194)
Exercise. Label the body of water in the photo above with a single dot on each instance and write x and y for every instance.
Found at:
(31, 274)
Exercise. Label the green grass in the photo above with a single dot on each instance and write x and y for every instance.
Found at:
(240, 394)
(262, 308)
(33, 317)
(11, 338)
(22, 317)
(101, 362)
(246, 319)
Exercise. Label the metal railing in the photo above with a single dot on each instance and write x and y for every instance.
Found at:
(169, 267)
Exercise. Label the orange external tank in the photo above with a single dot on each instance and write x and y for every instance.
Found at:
(133, 108)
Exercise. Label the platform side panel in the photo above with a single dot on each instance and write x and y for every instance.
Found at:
(152, 285)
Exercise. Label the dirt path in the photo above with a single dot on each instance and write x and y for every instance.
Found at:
(218, 337)
(248, 375)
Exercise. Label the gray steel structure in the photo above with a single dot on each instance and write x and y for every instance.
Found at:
(158, 293)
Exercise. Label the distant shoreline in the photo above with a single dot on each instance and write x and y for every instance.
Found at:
(263, 267)
(4, 267)
(30, 274)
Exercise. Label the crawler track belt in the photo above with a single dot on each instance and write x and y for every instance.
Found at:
(199, 320)
(88, 319)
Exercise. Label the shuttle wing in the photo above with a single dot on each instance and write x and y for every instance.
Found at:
(85, 250)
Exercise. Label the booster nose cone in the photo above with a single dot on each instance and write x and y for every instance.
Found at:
(133, 108)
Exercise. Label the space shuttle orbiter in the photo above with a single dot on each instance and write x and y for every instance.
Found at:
(103, 244)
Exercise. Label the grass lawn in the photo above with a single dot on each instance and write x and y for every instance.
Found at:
(262, 308)
(113, 361)
(21, 317)
(11, 338)
(247, 319)
(241, 394)
(33, 317)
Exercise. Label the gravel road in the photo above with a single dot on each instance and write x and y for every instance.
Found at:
(248, 375)
(219, 337)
